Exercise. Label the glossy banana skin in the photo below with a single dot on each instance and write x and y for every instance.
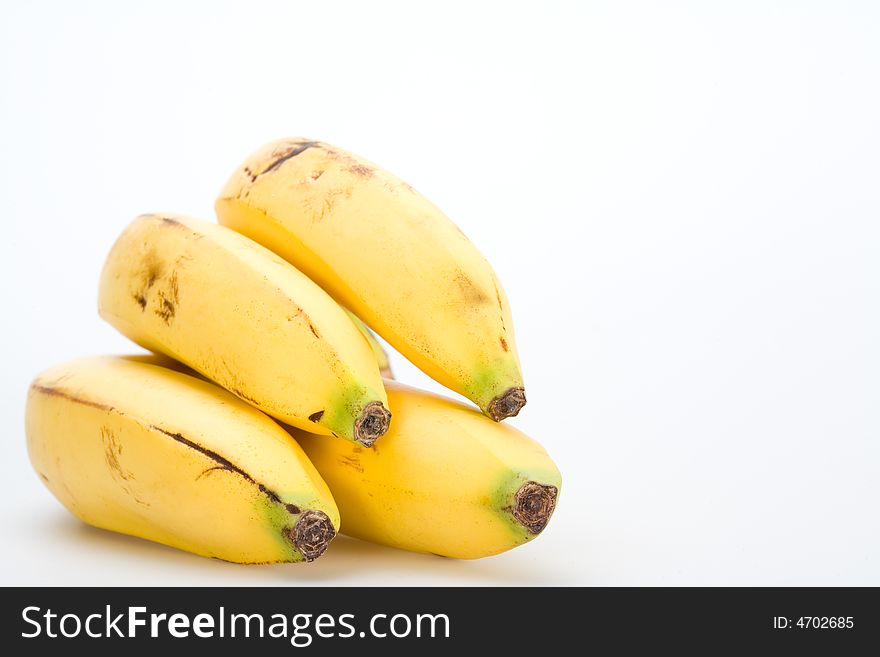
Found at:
(139, 449)
(389, 255)
(244, 318)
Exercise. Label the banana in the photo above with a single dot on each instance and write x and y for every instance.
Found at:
(143, 450)
(389, 255)
(238, 314)
(444, 480)
(379, 352)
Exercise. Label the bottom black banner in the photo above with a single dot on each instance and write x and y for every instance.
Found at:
(434, 621)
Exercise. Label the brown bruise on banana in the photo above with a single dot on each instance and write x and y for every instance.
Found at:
(112, 455)
(352, 462)
(321, 208)
(112, 447)
(324, 207)
(153, 282)
(470, 293)
(507, 404)
(361, 170)
(293, 148)
(168, 300)
(371, 424)
(170, 221)
(533, 504)
(299, 312)
(151, 270)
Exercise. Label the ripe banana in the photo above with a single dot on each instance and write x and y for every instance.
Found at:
(143, 450)
(244, 318)
(444, 480)
(379, 352)
(388, 254)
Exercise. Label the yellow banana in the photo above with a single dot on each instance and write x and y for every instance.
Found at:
(379, 352)
(143, 450)
(388, 254)
(444, 480)
(241, 316)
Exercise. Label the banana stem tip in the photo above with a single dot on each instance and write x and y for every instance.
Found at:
(312, 534)
(372, 423)
(533, 505)
(507, 404)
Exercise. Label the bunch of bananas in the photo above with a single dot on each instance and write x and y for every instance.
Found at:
(262, 425)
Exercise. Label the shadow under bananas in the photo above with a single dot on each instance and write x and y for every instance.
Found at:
(401, 568)
(347, 561)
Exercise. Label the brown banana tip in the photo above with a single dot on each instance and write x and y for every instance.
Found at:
(311, 534)
(533, 505)
(372, 423)
(507, 404)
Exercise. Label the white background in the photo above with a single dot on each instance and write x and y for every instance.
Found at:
(683, 204)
